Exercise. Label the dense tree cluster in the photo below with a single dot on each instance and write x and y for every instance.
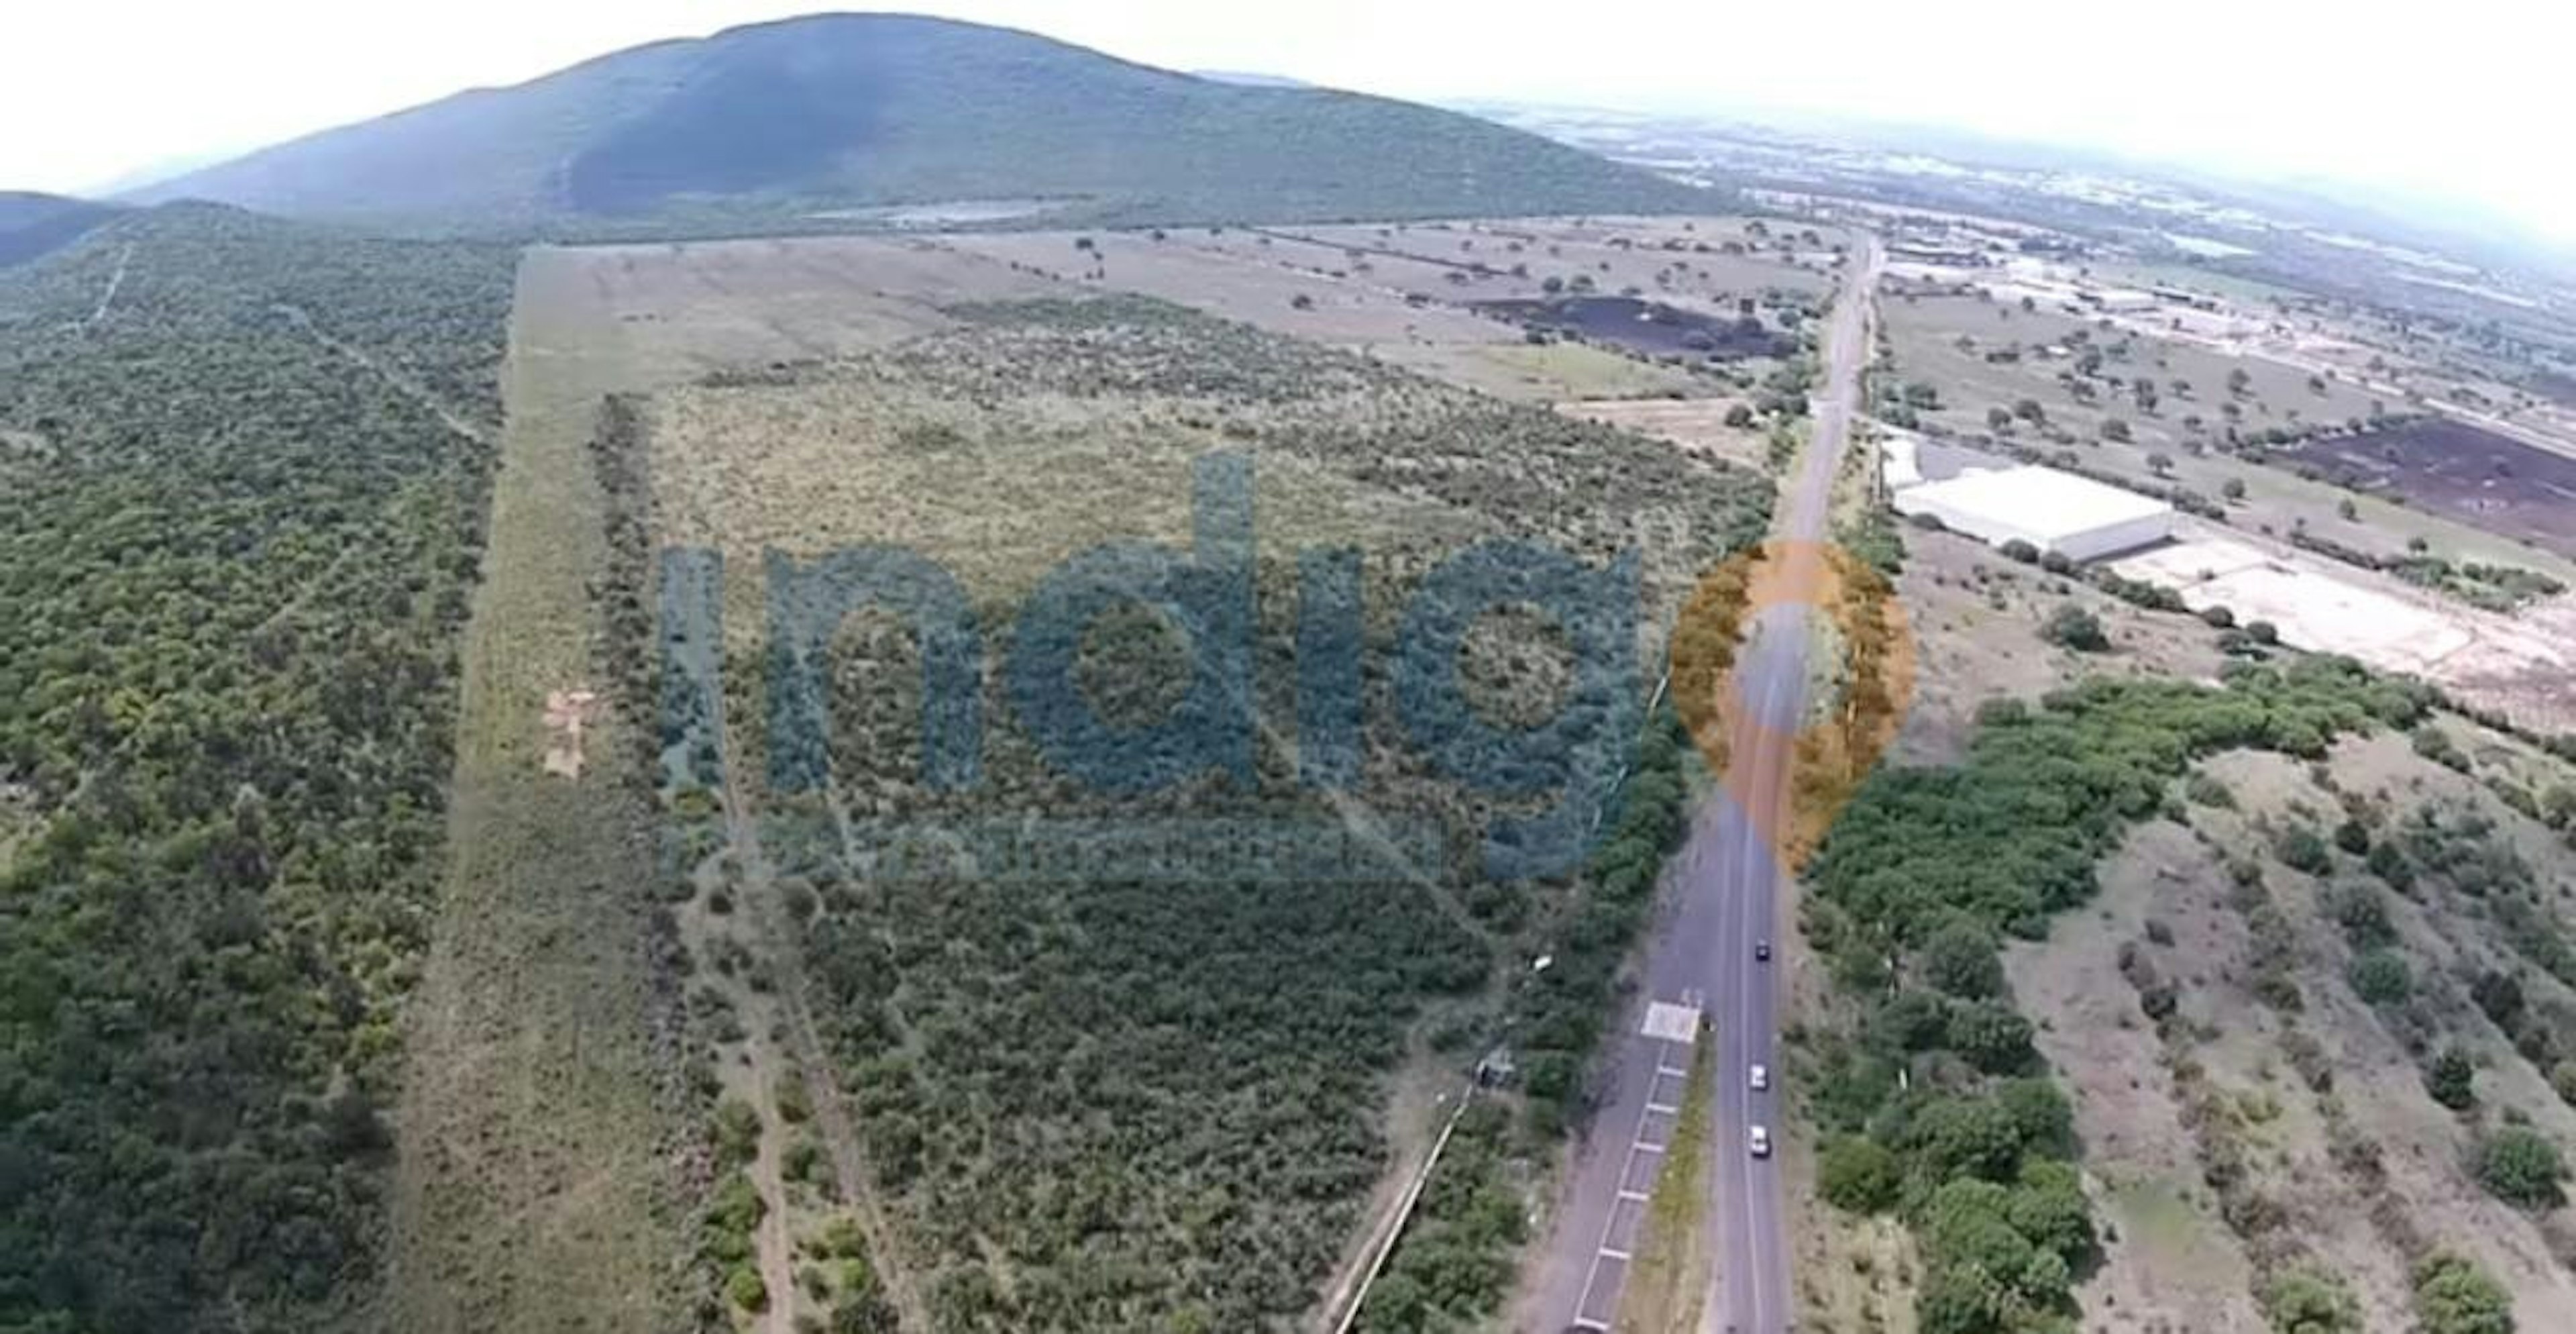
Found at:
(1935, 1107)
(232, 583)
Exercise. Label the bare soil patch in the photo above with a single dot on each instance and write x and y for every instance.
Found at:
(2490, 480)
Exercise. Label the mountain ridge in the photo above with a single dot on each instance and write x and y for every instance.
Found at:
(34, 224)
(860, 109)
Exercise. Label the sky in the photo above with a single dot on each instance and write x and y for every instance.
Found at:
(2463, 105)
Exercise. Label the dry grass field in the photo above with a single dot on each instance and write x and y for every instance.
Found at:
(801, 396)
(2169, 893)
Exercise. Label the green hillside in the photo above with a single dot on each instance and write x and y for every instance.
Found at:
(34, 224)
(855, 109)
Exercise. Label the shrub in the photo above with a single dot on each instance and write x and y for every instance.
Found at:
(2205, 790)
(2263, 632)
(2520, 1167)
(2381, 977)
(2300, 849)
(2452, 1079)
(2073, 627)
(2020, 550)
(2390, 865)
(2436, 745)
(737, 1133)
(744, 1288)
(792, 1106)
(2217, 617)
(1961, 960)
(1858, 1175)
(2563, 1081)
(2454, 1296)
(2354, 837)
(2308, 1299)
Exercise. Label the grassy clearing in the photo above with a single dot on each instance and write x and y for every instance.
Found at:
(539, 1190)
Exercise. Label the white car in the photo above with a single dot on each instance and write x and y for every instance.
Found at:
(1761, 1141)
(1759, 1077)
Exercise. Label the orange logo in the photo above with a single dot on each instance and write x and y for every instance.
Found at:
(1792, 710)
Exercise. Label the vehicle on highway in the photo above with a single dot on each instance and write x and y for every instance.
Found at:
(1762, 951)
(1759, 1077)
(1761, 1141)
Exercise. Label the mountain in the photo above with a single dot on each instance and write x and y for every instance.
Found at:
(34, 224)
(856, 109)
(1250, 79)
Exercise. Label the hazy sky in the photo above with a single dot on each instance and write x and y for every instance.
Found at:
(2468, 100)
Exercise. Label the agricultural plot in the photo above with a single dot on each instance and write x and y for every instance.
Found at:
(1123, 1097)
(2492, 481)
(2155, 415)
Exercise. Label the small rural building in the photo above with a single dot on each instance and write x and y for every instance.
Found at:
(2053, 511)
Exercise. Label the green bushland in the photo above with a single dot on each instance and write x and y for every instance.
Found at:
(1097, 1102)
(1974, 1146)
(234, 562)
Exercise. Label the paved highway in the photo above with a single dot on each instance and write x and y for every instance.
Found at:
(1700, 961)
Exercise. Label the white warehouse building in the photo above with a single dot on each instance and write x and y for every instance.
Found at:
(2053, 511)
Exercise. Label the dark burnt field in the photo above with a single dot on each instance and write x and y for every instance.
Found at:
(2498, 483)
(1649, 328)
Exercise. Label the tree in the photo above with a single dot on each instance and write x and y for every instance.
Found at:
(2263, 632)
(2040, 1114)
(2454, 1296)
(2217, 617)
(1922, 395)
(1857, 1174)
(2048, 1206)
(2233, 488)
(2019, 549)
(2521, 1167)
(2452, 1079)
(1961, 959)
(1999, 419)
(1965, 1137)
(1991, 1037)
(2238, 381)
(2381, 977)
(2117, 432)
(2073, 627)
(1740, 416)
(2159, 463)
(2030, 411)
(2347, 510)
(2308, 1299)
(1301, 301)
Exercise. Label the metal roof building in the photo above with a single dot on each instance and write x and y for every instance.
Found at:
(2053, 511)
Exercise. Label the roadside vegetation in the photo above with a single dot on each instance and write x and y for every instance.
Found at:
(1936, 1101)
